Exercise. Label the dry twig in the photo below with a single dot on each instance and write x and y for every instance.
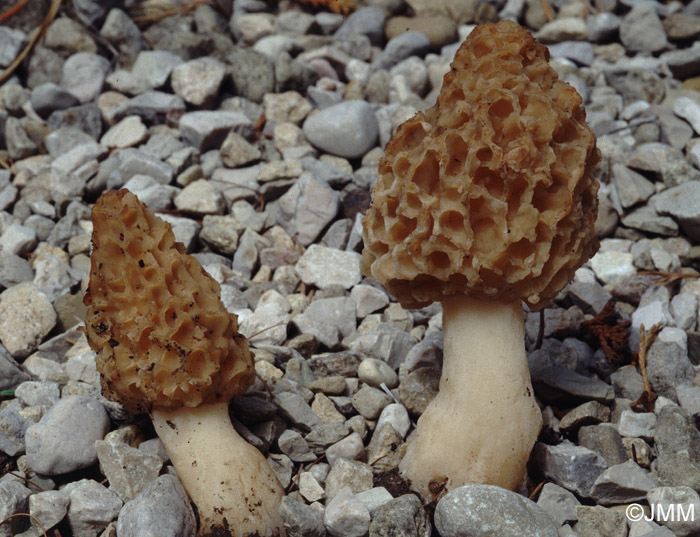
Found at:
(668, 277)
(547, 10)
(611, 332)
(35, 519)
(645, 340)
(12, 11)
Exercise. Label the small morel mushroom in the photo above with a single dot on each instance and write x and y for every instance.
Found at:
(166, 345)
(484, 200)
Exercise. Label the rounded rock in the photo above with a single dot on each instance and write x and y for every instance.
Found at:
(348, 129)
(64, 439)
(490, 511)
(375, 372)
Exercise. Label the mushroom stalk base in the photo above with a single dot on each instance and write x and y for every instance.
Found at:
(481, 426)
(234, 488)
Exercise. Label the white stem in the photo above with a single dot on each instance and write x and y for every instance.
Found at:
(483, 423)
(234, 488)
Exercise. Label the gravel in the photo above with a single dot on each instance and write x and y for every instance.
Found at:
(257, 136)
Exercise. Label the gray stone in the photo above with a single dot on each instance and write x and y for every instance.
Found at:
(627, 382)
(668, 365)
(677, 469)
(13, 500)
(122, 32)
(600, 522)
(84, 74)
(136, 162)
(682, 202)
(293, 408)
(307, 208)
(354, 475)
(64, 439)
(554, 382)
(689, 398)
(368, 299)
(369, 402)
(637, 424)
(418, 388)
(236, 151)
(489, 511)
(346, 516)
(12, 429)
(622, 483)
(19, 145)
(163, 505)
(17, 239)
(207, 129)
(563, 29)
(605, 440)
(573, 467)
(348, 129)
(632, 187)
(402, 46)
(641, 30)
(328, 319)
(86, 117)
(350, 447)
(384, 340)
(48, 507)
(665, 161)
(129, 470)
(689, 110)
(33, 393)
(322, 266)
(588, 413)
(11, 42)
(579, 51)
(221, 233)
(14, 270)
(253, 74)
(674, 499)
(402, 516)
(150, 192)
(128, 132)
(26, 317)
(367, 21)
(676, 432)
(396, 416)
(155, 66)
(685, 62)
(92, 507)
(612, 267)
(54, 277)
(301, 520)
(293, 445)
(151, 106)
(558, 503)
(200, 197)
(49, 97)
(198, 81)
(268, 323)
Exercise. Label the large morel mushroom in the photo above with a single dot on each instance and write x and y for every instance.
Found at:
(484, 200)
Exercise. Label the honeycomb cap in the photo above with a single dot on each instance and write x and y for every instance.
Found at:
(490, 192)
(162, 336)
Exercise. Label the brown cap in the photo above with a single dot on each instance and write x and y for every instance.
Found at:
(489, 193)
(161, 334)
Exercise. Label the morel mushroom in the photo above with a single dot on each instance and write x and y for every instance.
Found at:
(485, 199)
(166, 345)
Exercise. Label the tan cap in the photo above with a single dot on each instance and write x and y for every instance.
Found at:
(161, 334)
(489, 193)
